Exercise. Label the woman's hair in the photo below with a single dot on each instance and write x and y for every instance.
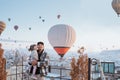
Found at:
(32, 47)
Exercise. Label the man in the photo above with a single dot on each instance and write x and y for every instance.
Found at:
(41, 66)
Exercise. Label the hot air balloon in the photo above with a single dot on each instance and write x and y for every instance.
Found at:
(2, 26)
(58, 16)
(116, 6)
(29, 28)
(39, 17)
(43, 20)
(16, 27)
(9, 19)
(113, 46)
(61, 37)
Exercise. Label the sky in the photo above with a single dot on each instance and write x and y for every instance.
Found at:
(96, 24)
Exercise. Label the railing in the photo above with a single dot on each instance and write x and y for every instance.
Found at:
(58, 73)
(62, 73)
(15, 74)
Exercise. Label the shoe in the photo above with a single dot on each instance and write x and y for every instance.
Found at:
(34, 77)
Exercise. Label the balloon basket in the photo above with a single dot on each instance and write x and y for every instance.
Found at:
(61, 59)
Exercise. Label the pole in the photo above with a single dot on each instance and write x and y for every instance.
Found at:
(49, 68)
(89, 68)
(16, 71)
(61, 73)
(16, 64)
(22, 67)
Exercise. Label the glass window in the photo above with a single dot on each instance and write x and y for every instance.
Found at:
(111, 68)
(106, 69)
(103, 65)
(96, 68)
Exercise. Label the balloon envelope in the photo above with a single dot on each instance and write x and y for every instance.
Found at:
(9, 19)
(116, 6)
(58, 16)
(29, 28)
(39, 17)
(61, 37)
(43, 20)
(16, 27)
(2, 26)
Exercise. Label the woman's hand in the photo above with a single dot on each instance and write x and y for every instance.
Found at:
(34, 62)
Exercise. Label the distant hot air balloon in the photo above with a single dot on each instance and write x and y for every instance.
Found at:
(113, 46)
(61, 37)
(29, 28)
(9, 19)
(106, 48)
(2, 26)
(116, 6)
(16, 27)
(15, 41)
(43, 20)
(39, 17)
(58, 16)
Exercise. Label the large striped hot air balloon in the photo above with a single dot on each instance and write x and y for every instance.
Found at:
(61, 37)
(116, 6)
(2, 26)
